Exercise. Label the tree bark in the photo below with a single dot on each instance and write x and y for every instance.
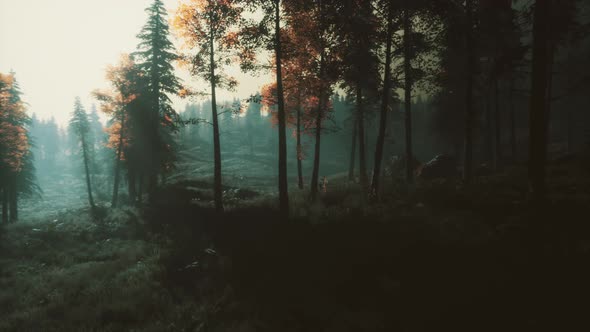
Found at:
(115, 198)
(217, 188)
(13, 201)
(512, 122)
(353, 149)
(384, 107)
(408, 97)
(321, 108)
(299, 147)
(498, 128)
(468, 154)
(361, 133)
(538, 105)
(283, 184)
(86, 169)
(4, 205)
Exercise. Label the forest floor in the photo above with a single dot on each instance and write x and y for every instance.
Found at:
(437, 256)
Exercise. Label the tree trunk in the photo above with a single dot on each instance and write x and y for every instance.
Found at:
(512, 122)
(86, 169)
(318, 135)
(140, 189)
(5, 205)
(361, 133)
(468, 154)
(538, 106)
(408, 97)
(155, 124)
(299, 147)
(570, 130)
(13, 201)
(115, 198)
(353, 150)
(283, 184)
(384, 107)
(498, 129)
(489, 128)
(217, 189)
(550, 60)
(131, 184)
(321, 108)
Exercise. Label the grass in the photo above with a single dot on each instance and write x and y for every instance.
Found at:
(438, 255)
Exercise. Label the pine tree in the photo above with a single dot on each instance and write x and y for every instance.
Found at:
(80, 126)
(155, 56)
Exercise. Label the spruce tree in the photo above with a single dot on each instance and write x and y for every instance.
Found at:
(155, 56)
(80, 126)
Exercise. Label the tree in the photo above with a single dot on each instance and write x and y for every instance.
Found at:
(80, 126)
(538, 105)
(128, 127)
(386, 91)
(16, 167)
(206, 25)
(155, 56)
(267, 34)
(315, 23)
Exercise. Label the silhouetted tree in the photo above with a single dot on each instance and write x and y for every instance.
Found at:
(206, 25)
(155, 56)
(80, 126)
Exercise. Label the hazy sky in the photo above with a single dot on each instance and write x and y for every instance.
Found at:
(60, 49)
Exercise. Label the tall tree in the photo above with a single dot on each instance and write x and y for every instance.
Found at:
(266, 33)
(155, 56)
(206, 25)
(16, 168)
(469, 107)
(80, 126)
(316, 22)
(128, 128)
(358, 31)
(538, 105)
(386, 91)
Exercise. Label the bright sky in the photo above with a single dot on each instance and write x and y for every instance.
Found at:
(60, 49)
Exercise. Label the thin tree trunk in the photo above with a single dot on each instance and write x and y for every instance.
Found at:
(550, 60)
(155, 148)
(299, 147)
(318, 135)
(13, 201)
(86, 169)
(5, 205)
(140, 189)
(115, 198)
(384, 107)
(408, 97)
(353, 150)
(512, 122)
(489, 128)
(570, 130)
(321, 108)
(283, 184)
(217, 193)
(538, 106)
(131, 184)
(498, 129)
(361, 131)
(468, 155)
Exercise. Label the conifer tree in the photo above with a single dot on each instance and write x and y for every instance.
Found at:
(155, 56)
(80, 126)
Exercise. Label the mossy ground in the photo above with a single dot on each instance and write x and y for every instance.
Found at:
(435, 256)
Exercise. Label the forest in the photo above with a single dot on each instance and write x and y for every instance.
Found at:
(416, 165)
